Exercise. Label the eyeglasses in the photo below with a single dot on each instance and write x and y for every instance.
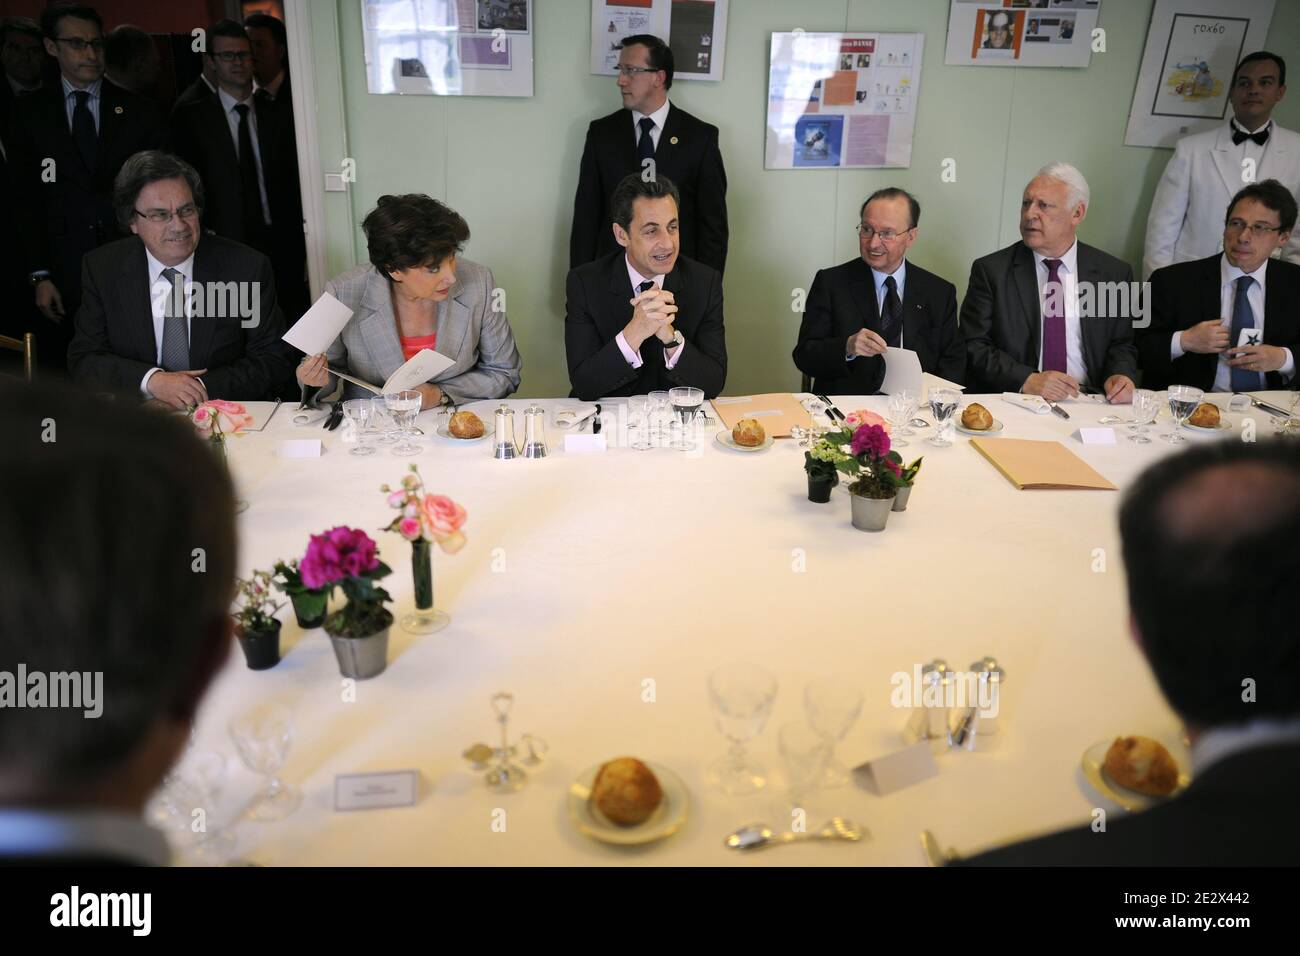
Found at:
(188, 211)
(886, 235)
(241, 57)
(632, 70)
(1257, 228)
(78, 45)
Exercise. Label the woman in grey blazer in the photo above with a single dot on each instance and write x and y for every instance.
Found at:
(416, 293)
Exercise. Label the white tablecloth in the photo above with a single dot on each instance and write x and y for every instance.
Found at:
(585, 576)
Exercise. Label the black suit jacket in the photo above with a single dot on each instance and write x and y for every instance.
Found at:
(114, 343)
(842, 302)
(1003, 322)
(599, 307)
(1237, 813)
(687, 154)
(75, 206)
(1189, 292)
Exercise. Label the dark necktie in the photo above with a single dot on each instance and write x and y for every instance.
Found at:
(891, 316)
(645, 286)
(250, 190)
(1243, 317)
(645, 146)
(175, 337)
(1260, 138)
(83, 128)
(1054, 353)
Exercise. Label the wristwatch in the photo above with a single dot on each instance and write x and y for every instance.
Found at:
(36, 278)
(678, 339)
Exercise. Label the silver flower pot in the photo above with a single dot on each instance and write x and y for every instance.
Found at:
(900, 499)
(361, 657)
(870, 514)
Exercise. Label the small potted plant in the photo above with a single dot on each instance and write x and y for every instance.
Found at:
(308, 603)
(866, 457)
(255, 623)
(819, 463)
(348, 558)
(905, 482)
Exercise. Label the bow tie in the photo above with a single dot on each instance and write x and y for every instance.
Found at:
(1260, 138)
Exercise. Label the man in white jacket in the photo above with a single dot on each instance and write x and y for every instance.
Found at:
(1207, 169)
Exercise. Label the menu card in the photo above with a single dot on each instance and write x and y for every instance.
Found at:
(1039, 464)
(777, 412)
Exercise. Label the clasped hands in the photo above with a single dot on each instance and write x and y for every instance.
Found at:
(652, 315)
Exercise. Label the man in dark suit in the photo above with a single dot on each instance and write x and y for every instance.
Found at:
(1023, 315)
(172, 314)
(121, 625)
(645, 318)
(22, 55)
(651, 136)
(243, 147)
(1220, 522)
(270, 45)
(70, 140)
(878, 301)
(1228, 323)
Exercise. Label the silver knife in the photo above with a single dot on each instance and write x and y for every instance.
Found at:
(1059, 410)
(1268, 408)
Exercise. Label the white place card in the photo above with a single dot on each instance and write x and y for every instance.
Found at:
(885, 774)
(300, 448)
(1097, 436)
(584, 444)
(375, 791)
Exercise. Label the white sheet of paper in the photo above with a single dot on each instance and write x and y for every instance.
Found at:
(764, 413)
(934, 381)
(883, 775)
(300, 448)
(902, 372)
(319, 326)
(1097, 436)
(422, 366)
(372, 791)
(584, 444)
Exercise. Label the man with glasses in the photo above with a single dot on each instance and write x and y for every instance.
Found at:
(244, 150)
(171, 314)
(651, 137)
(1228, 322)
(1186, 218)
(70, 140)
(860, 309)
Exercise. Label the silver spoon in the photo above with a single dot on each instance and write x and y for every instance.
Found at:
(919, 423)
(755, 836)
(1114, 420)
(934, 853)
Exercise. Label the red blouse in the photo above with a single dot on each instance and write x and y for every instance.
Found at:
(411, 344)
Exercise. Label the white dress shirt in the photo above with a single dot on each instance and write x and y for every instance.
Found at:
(1228, 276)
(228, 104)
(1218, 743)
(1250, 149)
(70, 101)
(878, 280)
(633, 357)
(660, 116)
(31, 831)
(1068, 274)
(160, 291)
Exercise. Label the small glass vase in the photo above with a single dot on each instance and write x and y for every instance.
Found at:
(426, 618)
(217, 442)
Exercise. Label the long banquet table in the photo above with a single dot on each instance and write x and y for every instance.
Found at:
(584, 576)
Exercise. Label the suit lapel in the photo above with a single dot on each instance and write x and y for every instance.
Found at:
(914, 317)
(1223, 160)
(112, 113)
(626, 140)
(1279, 307)
(1088, 331)
(453, 322)
(1025, 280)
(378, 325)
(862, 288)
(203, 327)
(666, 152)
(136, 306)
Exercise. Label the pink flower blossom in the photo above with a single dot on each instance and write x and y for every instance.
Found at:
(409, 528)
(441, 516)
(862, 417)
(338, 553)
(397, 499)
(894, 466)
(872, 440)
(451, 543)
(203, 416)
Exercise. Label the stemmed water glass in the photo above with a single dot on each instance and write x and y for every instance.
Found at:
(943, 406)
(805, 753)
(658, 414)
(404, 406)
(262, 737)
(638, 423)
(1183, 400)
(900, 412)
(381, 421)
(832, 708)
(742, 696)
(357, 411)
(1146, 406)
(686, 404)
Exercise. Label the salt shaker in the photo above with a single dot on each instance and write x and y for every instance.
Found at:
(991, 676)
(534, 432)
(929, 721)
(504, 446)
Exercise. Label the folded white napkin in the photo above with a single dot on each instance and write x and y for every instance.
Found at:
(1034, 403)
(569, 415)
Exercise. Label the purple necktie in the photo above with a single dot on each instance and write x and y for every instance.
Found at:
(1053, 319)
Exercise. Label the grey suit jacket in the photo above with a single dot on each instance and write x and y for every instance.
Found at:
(470, 331)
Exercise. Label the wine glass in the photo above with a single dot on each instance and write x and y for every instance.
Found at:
(899, 413)
(913, 406)
(658, 412)
(1183, 400)
(262, 737)
(638, 424)
(686, 403)
(742, 696)
(381, 421)
(404, 406)
(943, 406)
(1146, 406)
(805, 753)
(205, 777)
(832, 708)
(357, 411)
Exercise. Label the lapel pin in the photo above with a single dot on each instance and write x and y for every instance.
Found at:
(673, 141)
(117, 110)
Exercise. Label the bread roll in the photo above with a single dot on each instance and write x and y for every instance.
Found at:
(748, 433)
(1205, 416)
(1142, 764)
(465, 425)
(626, 791)
(976, 417)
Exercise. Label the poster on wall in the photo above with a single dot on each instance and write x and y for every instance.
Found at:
(449, 47)
(842, 100)
(1192, 48)
(1021, 32)
(695, 30)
